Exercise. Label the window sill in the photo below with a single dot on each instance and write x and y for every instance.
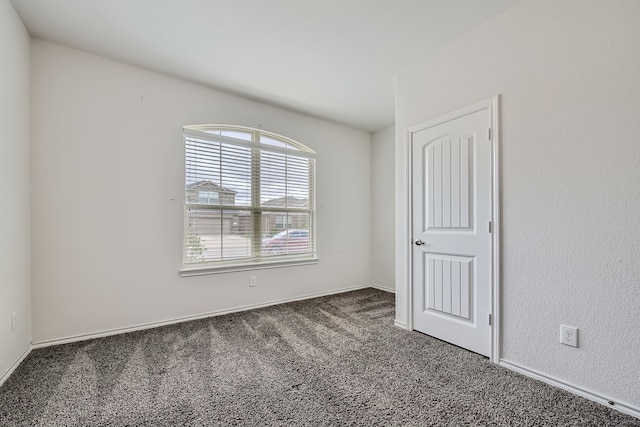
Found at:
(202, 270)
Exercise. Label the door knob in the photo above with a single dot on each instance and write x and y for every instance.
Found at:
(419, 242)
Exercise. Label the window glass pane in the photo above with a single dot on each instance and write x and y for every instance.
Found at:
(218, 167)
(278, 143)
(217, 235)
(202, 161)
(284, 180)
(286, 233)
(247, 136)
(274, 142)
(235, 172)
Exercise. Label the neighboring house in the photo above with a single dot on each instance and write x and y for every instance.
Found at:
(287, 202)
(274, 222)
(212, 221)
(210, 193)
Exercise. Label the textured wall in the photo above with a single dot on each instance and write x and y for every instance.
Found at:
(107, 191)
(568, 74)
(382, 208)
(15, 208)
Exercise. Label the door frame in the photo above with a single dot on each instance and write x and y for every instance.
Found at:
(493, 105)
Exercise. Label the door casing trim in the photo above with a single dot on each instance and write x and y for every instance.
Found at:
(493, 105)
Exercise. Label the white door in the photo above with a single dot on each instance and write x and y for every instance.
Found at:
(451, 231)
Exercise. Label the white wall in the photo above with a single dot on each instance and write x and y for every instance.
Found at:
(107, 192)
(15, 208)
(382, 209)
(568, 74)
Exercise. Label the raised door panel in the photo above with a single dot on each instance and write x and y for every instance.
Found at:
(448, 285)
(448, 181)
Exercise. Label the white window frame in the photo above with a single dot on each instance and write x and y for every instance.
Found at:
(259, 261)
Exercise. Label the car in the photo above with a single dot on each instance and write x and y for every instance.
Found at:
(287, 242)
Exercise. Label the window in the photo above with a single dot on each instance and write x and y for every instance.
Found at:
(249, 200)
(284, 222)
(208, 197)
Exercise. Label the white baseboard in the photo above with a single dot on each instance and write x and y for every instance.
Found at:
(580, 391)
(382, 288)
(140, 327)
(15, 364)
(400, 324)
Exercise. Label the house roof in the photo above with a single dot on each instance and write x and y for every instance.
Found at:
(209, 185)
(288, 201)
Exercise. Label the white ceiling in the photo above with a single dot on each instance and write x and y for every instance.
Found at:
(334, 59)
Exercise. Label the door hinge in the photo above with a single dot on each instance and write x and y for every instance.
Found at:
(489, 319)
(489, 134)
(490, 227)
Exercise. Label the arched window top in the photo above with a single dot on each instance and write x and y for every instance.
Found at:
(258, 136)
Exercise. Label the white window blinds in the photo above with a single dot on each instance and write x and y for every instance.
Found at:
(249, 197)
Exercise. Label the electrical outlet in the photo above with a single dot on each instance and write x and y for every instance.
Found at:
(14, 320)
(569, 335)
(252, 281)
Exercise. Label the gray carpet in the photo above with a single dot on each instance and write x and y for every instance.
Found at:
(331, 361)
